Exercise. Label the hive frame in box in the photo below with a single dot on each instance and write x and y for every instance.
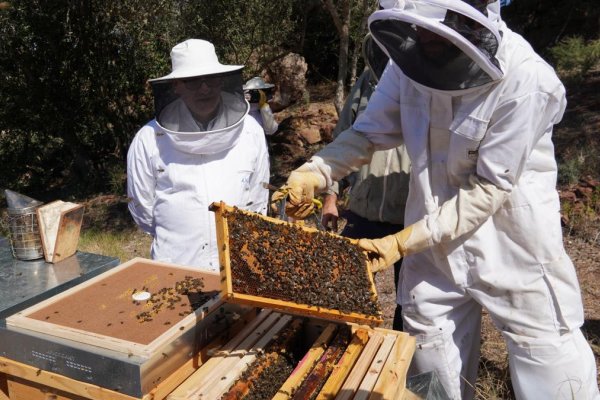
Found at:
(128, 367)
(373, 366)
(391, 380)
(220, 209)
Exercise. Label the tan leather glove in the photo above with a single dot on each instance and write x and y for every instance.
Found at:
(389, 249)
(299, 192)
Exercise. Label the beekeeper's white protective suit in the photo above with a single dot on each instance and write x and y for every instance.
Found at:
(476, 117)
(256, 90)
(177, 165)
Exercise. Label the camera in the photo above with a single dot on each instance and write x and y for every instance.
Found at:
(253, 96)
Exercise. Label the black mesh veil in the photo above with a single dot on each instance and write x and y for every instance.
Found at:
(374, 57)
(175, 101)
(438, 47)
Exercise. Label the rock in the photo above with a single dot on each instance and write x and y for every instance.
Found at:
(311, 135)
(289, 75)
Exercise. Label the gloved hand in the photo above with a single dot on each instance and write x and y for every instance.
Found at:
(389, 249)
(262, 100)
(300, 192)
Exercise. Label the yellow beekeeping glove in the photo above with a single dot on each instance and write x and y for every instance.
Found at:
(262, 100)
(389, 249)
(299, 192)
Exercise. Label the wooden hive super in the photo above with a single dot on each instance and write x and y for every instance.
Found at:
(280, 357)
(96, 332)
(266, 262)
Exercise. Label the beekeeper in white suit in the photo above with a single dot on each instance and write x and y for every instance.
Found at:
(200, 148)
(475, 107)
(259, 93)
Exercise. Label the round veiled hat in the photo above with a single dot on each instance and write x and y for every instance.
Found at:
(195, 57)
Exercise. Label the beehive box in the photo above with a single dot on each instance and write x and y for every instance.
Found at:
(277, 356)
(98, 332)
(271, 263)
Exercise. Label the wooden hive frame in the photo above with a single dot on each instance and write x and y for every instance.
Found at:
(373, 366)
(385, 378)
(306, 364)
(220, 210)
(225, 367)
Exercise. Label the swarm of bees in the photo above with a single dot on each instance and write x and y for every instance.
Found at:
(190, 289)
(286, 262)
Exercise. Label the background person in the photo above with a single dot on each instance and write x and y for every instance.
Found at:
(475, 107)
(259, 93)
(378, 190)
(200, 148)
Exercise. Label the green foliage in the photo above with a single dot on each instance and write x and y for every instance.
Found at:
(544, 23)
(571, 169)
(117, 178)
(247, 32)
(74, 92)
(574, 57)
(73, 88)
(123, 245)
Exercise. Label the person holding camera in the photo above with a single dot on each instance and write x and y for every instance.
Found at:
(259, 93)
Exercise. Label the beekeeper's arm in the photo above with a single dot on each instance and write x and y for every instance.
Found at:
(270, 125)
(355, 104)
(457, 216)
(140, 180)
(348, 151)
(506, 147)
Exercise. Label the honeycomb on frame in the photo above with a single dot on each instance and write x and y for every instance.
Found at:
(271, 263)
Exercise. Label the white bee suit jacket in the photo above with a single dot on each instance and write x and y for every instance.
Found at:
(483, 179)
(264, 116)
(171, 189)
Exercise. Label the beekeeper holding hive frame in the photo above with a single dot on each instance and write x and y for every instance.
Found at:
(475, 107)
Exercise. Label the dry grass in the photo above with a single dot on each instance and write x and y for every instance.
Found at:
(124, 246)
(108, 229)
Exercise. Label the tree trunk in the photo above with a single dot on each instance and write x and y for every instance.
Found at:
(357, 50)
(354, 63)
(341, 20)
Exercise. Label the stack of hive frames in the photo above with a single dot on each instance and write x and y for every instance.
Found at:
(252, 349)
(267, 262)
(345, 361)
(373, 365)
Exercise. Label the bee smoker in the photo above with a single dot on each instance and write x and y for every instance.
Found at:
(25, 240)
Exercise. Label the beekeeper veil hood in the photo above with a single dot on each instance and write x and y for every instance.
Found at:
(200, 105)
(447, 45)
(374, 57)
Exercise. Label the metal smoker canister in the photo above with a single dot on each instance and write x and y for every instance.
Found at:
(25, 239)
